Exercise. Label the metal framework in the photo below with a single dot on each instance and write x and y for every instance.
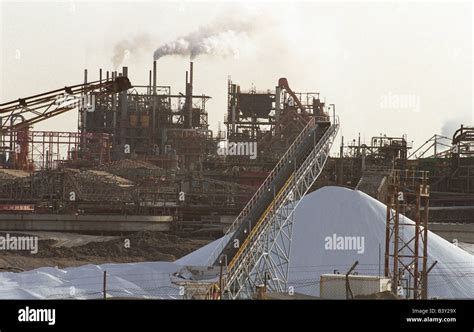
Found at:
(17, 117)
(272, 119)
(406, 243)
(435, 143)
(40, 150)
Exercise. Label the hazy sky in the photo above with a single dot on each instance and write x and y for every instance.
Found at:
(393, 68)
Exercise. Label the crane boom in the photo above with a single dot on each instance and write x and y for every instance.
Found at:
(37, 108)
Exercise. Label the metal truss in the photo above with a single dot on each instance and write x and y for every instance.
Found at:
(406, 242)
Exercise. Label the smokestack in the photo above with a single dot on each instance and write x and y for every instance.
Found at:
(187, 102)
(189, 95)
(84, 113)
(154, 77)
(149, 81)
(124, 71)
(151, 78)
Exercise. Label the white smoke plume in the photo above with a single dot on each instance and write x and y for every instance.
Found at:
(451, 125)
(126, 48)
(221, 38)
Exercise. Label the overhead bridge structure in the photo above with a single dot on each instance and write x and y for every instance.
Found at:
(255, 251)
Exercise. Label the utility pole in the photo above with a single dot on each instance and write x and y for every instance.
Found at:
(105, 285)
(348, 286)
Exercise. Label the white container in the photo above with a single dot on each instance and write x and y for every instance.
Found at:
(333, 286)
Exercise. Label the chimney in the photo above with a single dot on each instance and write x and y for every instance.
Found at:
(154, 77)
(189, 95)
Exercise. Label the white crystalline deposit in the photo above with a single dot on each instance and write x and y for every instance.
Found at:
(333, 228)
(148, 279)
(340, 213)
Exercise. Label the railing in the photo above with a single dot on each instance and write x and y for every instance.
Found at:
(408, 177)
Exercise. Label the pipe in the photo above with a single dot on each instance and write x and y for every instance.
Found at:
(277, 103)
(149, 81)
(191, 74)
(187, 124)
(84, 112)
(123, 110)
(114, 110)
(283, 83)
(190, 96)
(154, 77)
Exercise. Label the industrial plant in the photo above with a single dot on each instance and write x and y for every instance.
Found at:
(160, 155)
(144, 153)
(144, 159)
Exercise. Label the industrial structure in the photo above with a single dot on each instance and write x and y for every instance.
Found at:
(144, 158)
(150, 149)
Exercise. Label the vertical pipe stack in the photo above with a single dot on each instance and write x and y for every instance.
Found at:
(123, 112)
(277, 103)
(154, 77)
(153, 111)
(189, 96)
(114, 112)
(82, 110)
(149, 82)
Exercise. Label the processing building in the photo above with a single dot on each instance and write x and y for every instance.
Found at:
(143, 151)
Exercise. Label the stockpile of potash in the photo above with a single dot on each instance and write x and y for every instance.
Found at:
(334, 227)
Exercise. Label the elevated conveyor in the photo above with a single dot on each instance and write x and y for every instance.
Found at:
(256, 248)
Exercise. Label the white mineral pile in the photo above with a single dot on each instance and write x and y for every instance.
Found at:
(333, 228)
